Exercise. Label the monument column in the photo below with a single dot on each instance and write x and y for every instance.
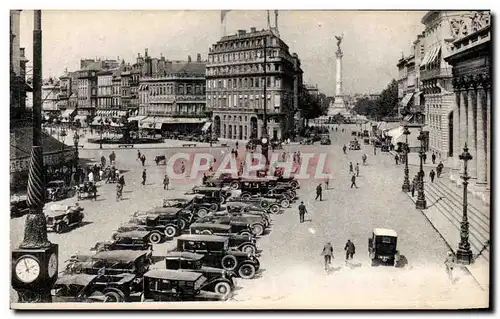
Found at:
(338, 88)
(338, 106)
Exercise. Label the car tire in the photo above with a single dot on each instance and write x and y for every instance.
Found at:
(285, 203)
(234, 185)
(257, 229)
(264, 204)
(246, 195)
(246, 271)
(229, 262)
(182, 223)
(223, 288)
(155, 237)
(246, 233)
(202, 212)
(293, 193)
(170, 231)
(206, 232)
(59, 228)
(113, 296)
(214, 207)
(274, 208)
(248, 248)
(374, 262)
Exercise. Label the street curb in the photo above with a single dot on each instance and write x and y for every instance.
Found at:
(447, 244)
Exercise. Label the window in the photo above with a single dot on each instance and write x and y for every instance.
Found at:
(268, 81)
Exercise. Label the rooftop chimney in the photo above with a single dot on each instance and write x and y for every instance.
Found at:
(253, 29)
(189, 58)
(198, 57)
(241, 32)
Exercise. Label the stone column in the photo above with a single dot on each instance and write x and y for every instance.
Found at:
(488, 135)
(456, 137)
(338, 87)
(481, 139)
(471, 131)
(463, 131)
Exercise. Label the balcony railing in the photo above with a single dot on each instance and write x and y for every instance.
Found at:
(436, 73)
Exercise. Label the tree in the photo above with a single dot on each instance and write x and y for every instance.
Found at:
(388, 100)
(313, 106)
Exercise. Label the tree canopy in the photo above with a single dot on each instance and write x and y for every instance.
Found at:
(313, 106)
(386, 105)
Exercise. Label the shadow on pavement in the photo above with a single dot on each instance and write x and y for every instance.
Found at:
(333, 269)
(353, 265)
(259, 273)
(403, 261)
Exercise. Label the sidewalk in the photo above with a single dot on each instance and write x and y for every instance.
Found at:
(414, 160)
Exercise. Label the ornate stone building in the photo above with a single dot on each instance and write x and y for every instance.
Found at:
(470, 120)
(235, 85)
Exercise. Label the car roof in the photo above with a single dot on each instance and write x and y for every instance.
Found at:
(120, 255)
(184, 255)
(163, 210)
(75, 279)
(173, 274)
(239, 204)
(384, 232)
(59, 181)
(212, 238)
(210, 225)
(205, 188)
(133, 234)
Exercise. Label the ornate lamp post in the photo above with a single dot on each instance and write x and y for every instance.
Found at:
(406, 182)
(421, 203)
(265, 136)
(35, 262)
(100, 131)
(76, 139)
(464, 254)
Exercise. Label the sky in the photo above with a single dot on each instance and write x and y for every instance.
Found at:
(373, 40)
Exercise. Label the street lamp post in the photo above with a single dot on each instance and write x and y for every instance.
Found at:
(421, 203)
(406, 182)
(464, 253)
(76, 139)
(265, 137)
(100, 131)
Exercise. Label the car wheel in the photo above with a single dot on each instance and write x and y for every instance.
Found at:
(202, 212)
(155, 238)
(214, 207)
(294, 194)
(170, 231)
(229, 262)
(246, 271)
(294, 184)
(113, 296)
(249, 249)
(246, 233)
(246, 196)
(274, 209)
(59, 227)
(264, 204)
(182, 224)
(206, 232)
(285, 203)
(257, 229)
(223, 288)
(234, 185)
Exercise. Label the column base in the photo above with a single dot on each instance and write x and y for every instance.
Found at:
(464, 256)
(421, 204)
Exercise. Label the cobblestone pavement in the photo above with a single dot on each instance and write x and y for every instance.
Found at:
(292, 273)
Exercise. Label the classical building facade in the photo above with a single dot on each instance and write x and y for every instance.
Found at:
(104, 89)
(87, 93)
(470, 55)
(236, 80)
(173, 98)
(50, 97)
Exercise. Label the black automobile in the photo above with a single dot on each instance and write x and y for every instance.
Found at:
(267, 204)
(217, 253)
(170, 220)
(57, 190)
(261, 187)
(224, 180)
(18, 205)
(213, 195)
(382, 246)
(63, 218)
(158, 232)
(238, 228)
(218, 280)
(132, 240)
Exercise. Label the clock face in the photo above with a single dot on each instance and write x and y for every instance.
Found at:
(264, 140)
(27, 269)
(52, 267)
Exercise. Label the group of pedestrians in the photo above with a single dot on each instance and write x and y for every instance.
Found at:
(327, 253)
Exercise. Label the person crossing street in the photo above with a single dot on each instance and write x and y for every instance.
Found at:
(144, 177)
(344, 149)
(166, 181)
(350, 250)
(364, 158)
(450, 263)
(353, 181)
(319, 192)
(327, 255)
(357, 169)
(302, 211)
(351, 168)
(431, 175)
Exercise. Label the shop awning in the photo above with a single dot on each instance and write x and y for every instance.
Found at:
(187, 120)
(430, 56)
(67, 113)
(206, 126)
(406, 99)
(111, 113)
(412, 138)
(147, 125)
(137, 118)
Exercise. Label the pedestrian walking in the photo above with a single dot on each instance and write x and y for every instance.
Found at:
(413, 186)
(91, 177)
(119, 192)
(144, 177)
(103, 161)
(439, 169)
(357, 169)
(396, 158)
(143, 160)
(351, 170)
(433, 158)
(353, 181)
(424, 157)
(350, 250)
(327, 183)
(112, 158)
(319, 192)
(327, 255)
(431, 175)
(237, 145)
(166, 181)
(344, 149)
(450, 264)
(302, 211)
(139, 156)
(374, 150)
(364, 158)
(101, 174)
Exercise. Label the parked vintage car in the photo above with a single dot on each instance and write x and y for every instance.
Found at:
(86, 190)
(224, 180)
(325, 140)
(57, 190)
(160, 159)
(213, 195)
(63, 218)
(194, 203)
(133, 240)
(354, 145)
(176, 285)
(18, 205)
(247, 208)
(217, 253)
(271, 205)
(257, 223)
(382, 246)
(239, 228)
(154, 228)
(169, 221)
(261, 188)
(218, 280)
(93, 288)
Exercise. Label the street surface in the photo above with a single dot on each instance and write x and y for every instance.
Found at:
(293, 273)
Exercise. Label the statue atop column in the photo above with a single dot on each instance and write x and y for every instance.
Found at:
(339, 41)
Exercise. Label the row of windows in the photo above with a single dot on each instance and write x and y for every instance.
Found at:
(243, 101)
(105, 102)
(244, 44)
(104, 91)
(104, 81)
(181, 89)
(192, 109)
(247, 82)
(244, 68)
(242, 56)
